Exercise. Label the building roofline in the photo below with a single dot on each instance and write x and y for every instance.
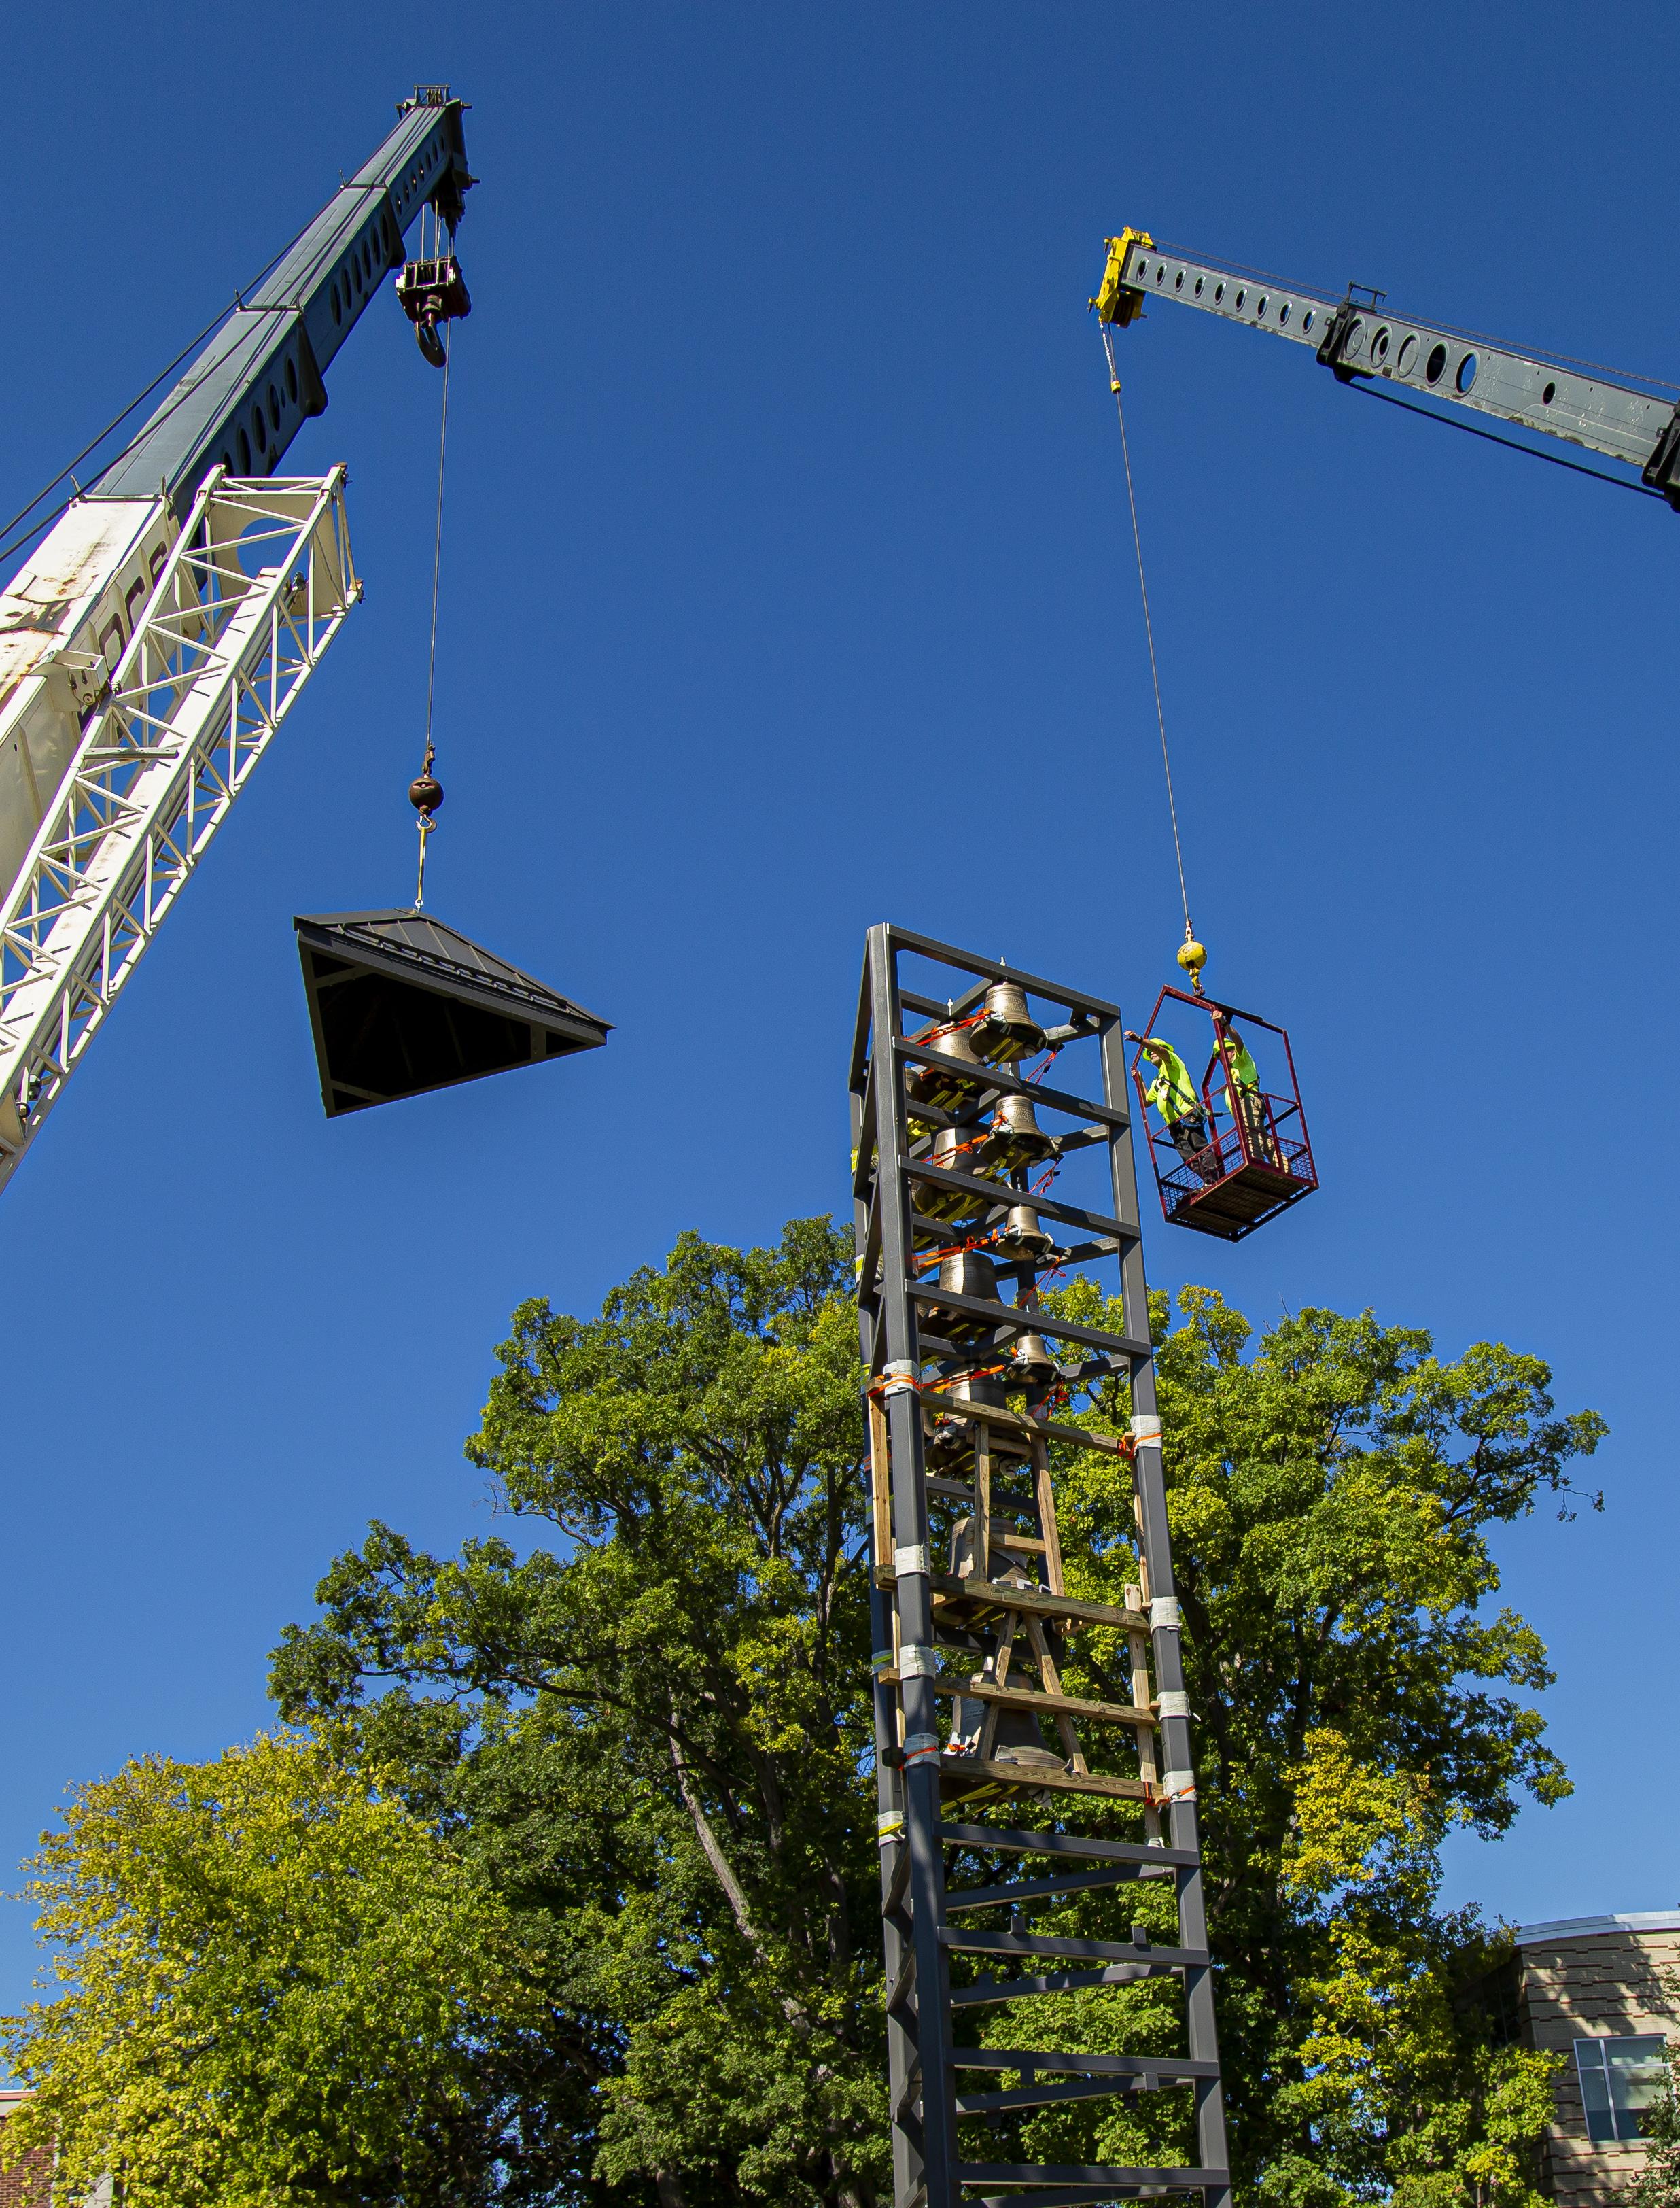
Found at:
(1586, 1927)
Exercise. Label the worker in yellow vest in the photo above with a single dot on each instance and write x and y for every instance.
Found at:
(1242, 1095)
(1174, 1096)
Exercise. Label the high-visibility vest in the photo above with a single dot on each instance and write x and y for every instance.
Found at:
(1172, 1092)
(1244, 1074)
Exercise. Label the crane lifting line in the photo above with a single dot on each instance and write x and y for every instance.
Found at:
(43, 522)
(1149, 630)
(425, 822)
(1511, 444)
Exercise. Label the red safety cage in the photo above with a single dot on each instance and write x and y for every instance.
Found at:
(1239, 1154)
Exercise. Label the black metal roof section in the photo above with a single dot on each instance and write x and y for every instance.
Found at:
(399, 1003)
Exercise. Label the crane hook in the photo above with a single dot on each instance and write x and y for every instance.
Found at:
(430, 292)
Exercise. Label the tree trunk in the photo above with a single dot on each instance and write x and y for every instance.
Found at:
(796, 2013)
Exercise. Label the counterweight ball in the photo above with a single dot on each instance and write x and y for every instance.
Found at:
(426, 795)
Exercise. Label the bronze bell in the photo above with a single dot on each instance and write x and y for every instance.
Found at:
(1007, 1031)
(947, 1085)
(1030, 1363)
(1014, 1137)
(966, 1273)
(950, 1442)
(965, 1561)
(1004, 1569)
(949, 1150)
(1015, 1735)
(1018, 1740)
(1021, 1234)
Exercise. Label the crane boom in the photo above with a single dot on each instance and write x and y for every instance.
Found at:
(260, 378)
(1359, 339)
(157, 636)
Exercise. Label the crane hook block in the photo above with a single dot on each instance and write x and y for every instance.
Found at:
(1117, 300)
(430, 292)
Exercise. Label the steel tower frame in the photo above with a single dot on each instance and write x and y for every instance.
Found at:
(919, 1613)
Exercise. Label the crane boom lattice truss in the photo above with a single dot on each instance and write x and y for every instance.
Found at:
(954, 1799)
(253, 591)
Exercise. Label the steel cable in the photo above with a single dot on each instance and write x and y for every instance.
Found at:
(1149, 632)
(1511, 444)
(139, 399)
(432, 651)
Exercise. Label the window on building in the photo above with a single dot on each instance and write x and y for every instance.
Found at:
(1620, 2078)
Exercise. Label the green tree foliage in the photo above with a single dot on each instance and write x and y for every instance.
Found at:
(651, 1734)
(280, 1988)
(1331, 1493)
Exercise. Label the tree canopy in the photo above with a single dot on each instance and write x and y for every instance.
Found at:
(278, 1987)
(640, 1725)
(1331, 1495)
(652, 1734)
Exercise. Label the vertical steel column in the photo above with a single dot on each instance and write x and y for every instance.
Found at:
(1178, 1778)
(889, 1821)
(913, 1599)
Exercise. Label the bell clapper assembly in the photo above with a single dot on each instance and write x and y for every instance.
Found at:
(399, 1002)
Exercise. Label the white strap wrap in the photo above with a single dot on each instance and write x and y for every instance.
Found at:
(915, 1662)
(920, 1747)
(1180, 1785)
(1164, 1611)
(1172, 1702)
(1146, 1427)
(912, 1559)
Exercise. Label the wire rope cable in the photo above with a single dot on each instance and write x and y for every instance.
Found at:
(139, 399)
(1511, 444)
(1149, 632)
(425, 822)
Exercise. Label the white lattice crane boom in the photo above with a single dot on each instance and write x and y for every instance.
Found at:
(153, 641)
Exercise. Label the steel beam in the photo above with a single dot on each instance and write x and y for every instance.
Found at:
(1427, 361)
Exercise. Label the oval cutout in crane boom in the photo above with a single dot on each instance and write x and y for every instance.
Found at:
(1417, 363)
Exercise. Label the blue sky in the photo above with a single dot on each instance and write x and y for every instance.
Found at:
(788, 588)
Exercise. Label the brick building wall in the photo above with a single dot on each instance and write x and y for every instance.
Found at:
(30, 2184)
(1605, 1992)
